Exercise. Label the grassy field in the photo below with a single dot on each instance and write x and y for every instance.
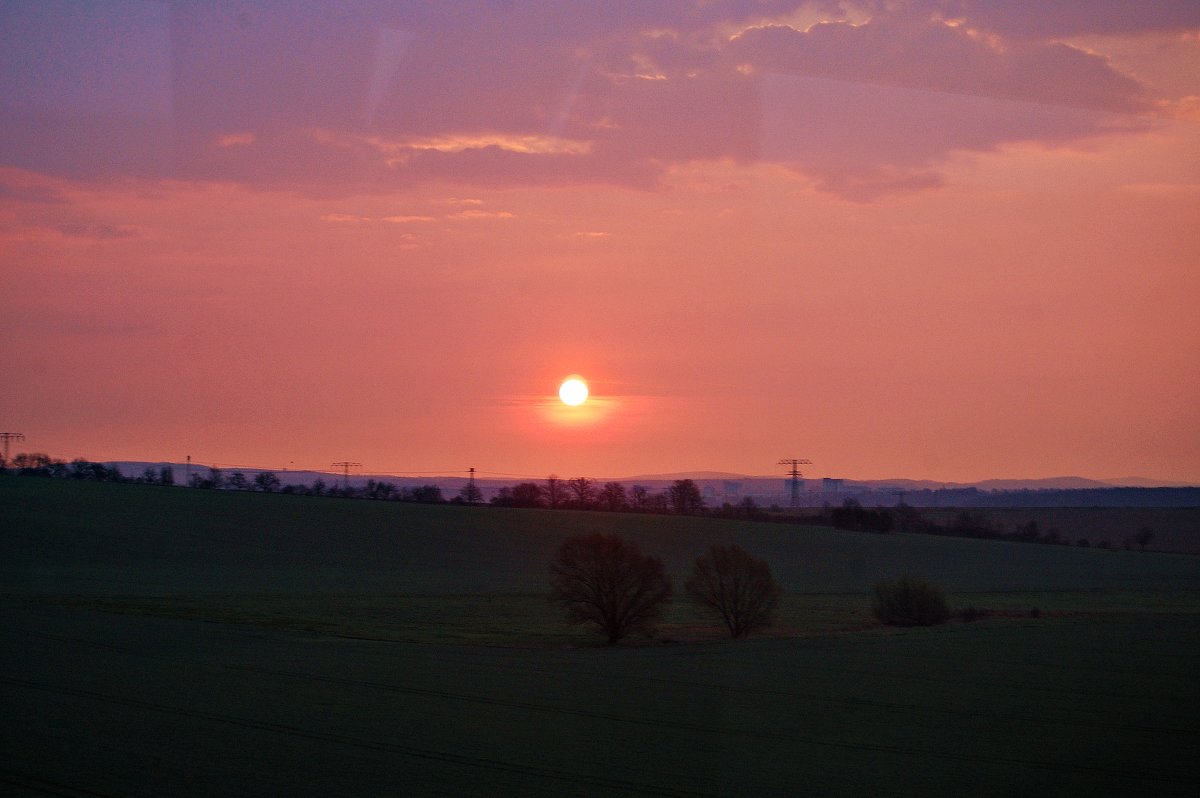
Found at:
(167, 641)
(1175, 529)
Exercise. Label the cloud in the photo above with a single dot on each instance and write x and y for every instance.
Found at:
(935, 56)
(1054, 18)
(31, 193)
(406, 219)
(872, 110)
(97, 232)
(531, 144)
(368, 98)
(236, 140)
(477, 214)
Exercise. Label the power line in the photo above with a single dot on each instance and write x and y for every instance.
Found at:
(795, 474)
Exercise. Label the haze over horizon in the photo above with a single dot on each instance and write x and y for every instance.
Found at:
(951, 239)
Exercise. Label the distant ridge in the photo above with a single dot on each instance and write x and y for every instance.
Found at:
(135, 468)
(1040, 483)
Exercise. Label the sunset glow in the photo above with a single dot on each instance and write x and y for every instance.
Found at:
(899, 241)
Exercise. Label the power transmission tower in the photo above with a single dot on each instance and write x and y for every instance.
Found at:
(795, 474)
(7, 437)
(345, 465)
(472, 492)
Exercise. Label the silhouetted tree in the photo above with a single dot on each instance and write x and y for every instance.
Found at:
(685, 497)
(238, 481)
(470, 493)
(729, 584)
(583, 491)
(266, 481)
(524, 494)
(380, 491)
(639, 497)
(425, 494)
(319, 488)
(166, 475)
(605, 580)
(30, 462)
(749, 508)
(1144, 536)
(612, 497)
(852, 515)
(554, 491)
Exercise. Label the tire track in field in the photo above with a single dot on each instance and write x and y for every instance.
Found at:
(553, 773)
(359, 742)
(737, 690)
(14, 778)
(852, 702)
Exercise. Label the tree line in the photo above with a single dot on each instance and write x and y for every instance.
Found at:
(682, 497)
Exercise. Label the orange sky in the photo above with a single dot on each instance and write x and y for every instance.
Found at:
(969, 253)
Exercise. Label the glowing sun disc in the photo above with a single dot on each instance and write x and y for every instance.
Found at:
(573, 391)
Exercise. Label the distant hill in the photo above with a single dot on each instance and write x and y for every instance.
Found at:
(723, 486)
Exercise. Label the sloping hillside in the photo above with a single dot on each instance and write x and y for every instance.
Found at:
(64, 536)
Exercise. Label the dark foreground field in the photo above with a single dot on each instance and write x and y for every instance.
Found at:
(170, 642)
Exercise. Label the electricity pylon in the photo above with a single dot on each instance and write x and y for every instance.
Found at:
(345, 465)
(795, 474)
(7, 437)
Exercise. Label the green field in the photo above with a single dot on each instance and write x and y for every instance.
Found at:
(168, 641)
(1175, 529)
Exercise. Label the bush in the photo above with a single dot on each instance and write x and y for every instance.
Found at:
(909, 602)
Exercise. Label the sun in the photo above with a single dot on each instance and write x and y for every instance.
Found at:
(573, 391)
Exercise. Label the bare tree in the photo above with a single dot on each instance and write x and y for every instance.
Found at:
(730, 584)
(266, 481)
(583, 490)
(612, 496)
(554, 491)
(605, 580)
(685, 497)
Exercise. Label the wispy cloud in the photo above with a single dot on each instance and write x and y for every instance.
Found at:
(97, 232)
(477, 214)
(406, 219)
(236, 140)
(528, 144)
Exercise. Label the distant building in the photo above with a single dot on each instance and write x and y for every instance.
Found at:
(831, 485)
(732, 491)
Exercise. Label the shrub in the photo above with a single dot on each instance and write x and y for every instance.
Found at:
(909, 602)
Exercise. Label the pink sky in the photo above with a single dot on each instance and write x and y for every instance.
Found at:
(943, 240)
